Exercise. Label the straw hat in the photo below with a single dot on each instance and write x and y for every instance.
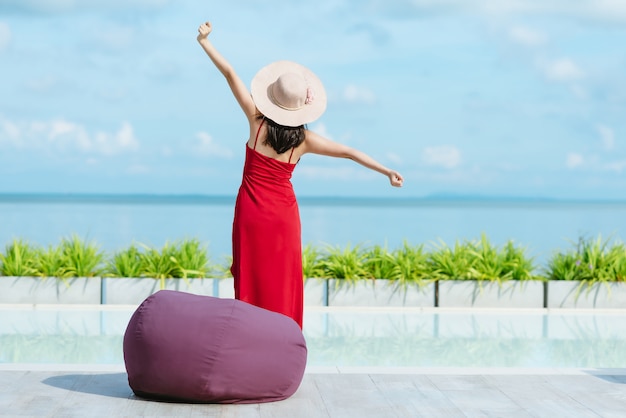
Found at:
(288, 93)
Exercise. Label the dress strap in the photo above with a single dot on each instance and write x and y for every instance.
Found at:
(292, 148)
(257, 133)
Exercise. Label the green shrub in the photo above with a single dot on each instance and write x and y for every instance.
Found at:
(406, 264)
(589, 261)
(191, 259)
(182, 259)
(486, 263)
(50, 263)
(617, 267)
(158, 264)
(380, 264)
(411, 263)
(19, 259)
(494, 264)
(516, 263)
(481, 260)
(80, 258)
(311, 262)
(454, 263)
(125, 263)
(222, 270)
(347, 264)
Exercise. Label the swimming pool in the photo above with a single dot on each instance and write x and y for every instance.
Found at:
(350, 337)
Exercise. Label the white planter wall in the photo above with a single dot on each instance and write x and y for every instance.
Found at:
(44, 290)
(322, 292)
(225, 288)
(315, 292)
(127, 291)
(568, 294)
(379, 293)
(203, 287)
(476, 294)
(133, 291)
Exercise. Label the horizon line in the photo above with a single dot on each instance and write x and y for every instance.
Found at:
(326, 200)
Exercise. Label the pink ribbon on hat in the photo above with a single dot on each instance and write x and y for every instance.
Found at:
(310, 96)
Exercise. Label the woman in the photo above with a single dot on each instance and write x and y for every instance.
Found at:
(267, 253)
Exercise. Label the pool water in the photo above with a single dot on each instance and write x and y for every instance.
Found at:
(352, 337)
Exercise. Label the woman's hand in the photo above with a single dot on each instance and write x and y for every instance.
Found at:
(395, 178)
(204, 30)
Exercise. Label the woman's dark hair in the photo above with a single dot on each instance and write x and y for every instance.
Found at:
(283, 138)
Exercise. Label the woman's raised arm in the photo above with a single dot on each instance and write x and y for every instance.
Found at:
(317, 144)
(239, 89)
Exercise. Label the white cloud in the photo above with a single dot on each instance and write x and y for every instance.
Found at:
(608, 137)
(562, 69)
(594, 163)
(62, 135)
(69, 6)
(321, 129)
(9, 133)
(586, 9)
(5, 36)
(207, 146)
(617, 166)
(605, 10)
(42, 84)
(574, 160)
(595, 10)
(355, 94)
(526, 36)
(123, 140)
(446, 156)
(554, 68)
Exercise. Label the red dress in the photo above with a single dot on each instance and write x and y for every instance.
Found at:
(267, 249)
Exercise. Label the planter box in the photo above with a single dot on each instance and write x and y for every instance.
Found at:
(44, 290)
(133, 291)
(225, 288)
(476, 294)
(203, 287)
(570, 294)
(379, 292)
(315, 292)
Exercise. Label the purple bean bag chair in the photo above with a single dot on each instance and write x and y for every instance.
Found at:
(184, 347)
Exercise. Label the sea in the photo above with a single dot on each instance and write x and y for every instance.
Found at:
(113, 222)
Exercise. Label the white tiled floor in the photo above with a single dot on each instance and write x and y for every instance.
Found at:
(338, 393)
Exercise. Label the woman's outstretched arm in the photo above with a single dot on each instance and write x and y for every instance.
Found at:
(239, 89)
(317, 144)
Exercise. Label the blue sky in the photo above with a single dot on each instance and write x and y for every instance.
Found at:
(508, 97)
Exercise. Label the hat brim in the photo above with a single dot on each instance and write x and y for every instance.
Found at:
(268, 75)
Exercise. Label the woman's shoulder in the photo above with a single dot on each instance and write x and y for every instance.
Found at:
(312, 136)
